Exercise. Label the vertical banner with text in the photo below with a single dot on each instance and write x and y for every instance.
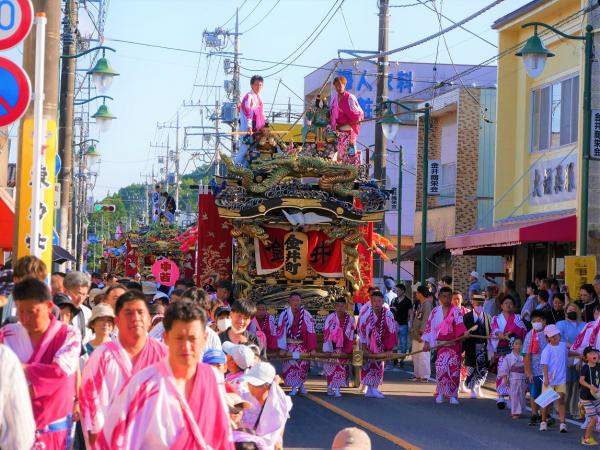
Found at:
(47, 181)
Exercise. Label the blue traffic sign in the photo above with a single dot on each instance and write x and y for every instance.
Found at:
(15, 92)
(57, 165)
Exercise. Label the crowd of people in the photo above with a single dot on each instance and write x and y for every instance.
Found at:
(111, 363)
(99, 355)
(546, 347)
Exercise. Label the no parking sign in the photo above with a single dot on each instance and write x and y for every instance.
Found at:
(15, 91)
(16, 19)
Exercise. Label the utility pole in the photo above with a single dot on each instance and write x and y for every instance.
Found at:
(382, 71)
(161, 146)
(52, 10)
(177, 156)
(66, 116)
(236, 82)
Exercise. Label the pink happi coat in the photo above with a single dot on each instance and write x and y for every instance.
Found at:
(345, 110)
(295, 372)
(338, 338)
(514, 326)
(50, 368)
(106, 373)
(590, 335)
(151, 413)
(256, 329)
(269, 329)
(379, 334)
(448, 359)
(252, 112)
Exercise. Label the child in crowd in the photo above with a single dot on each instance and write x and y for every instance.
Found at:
(589, 379)
(534, 344)
(554, 364)
(217, 359)
(513, 371)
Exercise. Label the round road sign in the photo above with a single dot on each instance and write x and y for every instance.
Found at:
(16, 19)
(15, 91)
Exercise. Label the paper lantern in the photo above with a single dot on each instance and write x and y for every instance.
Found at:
(166, 272)
(295, 262)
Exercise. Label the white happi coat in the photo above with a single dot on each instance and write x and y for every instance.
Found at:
(17, 425)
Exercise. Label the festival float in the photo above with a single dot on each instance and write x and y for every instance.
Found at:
(300, 220)
(137, 251)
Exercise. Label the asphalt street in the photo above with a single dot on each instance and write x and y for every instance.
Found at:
(409, 418)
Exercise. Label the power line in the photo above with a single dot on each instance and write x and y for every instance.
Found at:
(430, 37)
(309, 44)
(347, 29)
(424, 3)
(265, 69)
(251, 12)
(231, 18)
(262, 19)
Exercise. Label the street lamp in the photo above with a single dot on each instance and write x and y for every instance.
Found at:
(534, 57)
(103, 116)
(391, 125)
(102, 73)
(92, 155)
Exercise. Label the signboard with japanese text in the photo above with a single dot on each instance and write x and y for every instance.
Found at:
(47, 190)
(433, 179)
(579, 270)
(553, 180)
(595, 137)
(166, 272)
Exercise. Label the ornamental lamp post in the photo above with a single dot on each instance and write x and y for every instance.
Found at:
(92, 155)
(391, 125)
(103, 75)
(103, 116)
(534, 56)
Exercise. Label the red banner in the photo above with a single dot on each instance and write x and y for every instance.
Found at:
(214, 242)
(269, 258)
(323, 256)
(366, 265)
(131, 261)
(189, 264)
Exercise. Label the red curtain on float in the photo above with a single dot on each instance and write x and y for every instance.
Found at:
(323, 256)
(366, 264)
(214, 242)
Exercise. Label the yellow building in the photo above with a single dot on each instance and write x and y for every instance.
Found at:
(538, 122)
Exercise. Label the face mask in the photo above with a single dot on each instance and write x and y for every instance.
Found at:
(537, 326)
(572, 315)
(223, 324)
(478, 309)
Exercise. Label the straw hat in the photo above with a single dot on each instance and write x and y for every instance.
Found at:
(101, 310)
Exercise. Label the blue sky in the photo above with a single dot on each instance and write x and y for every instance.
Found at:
(154, 83)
